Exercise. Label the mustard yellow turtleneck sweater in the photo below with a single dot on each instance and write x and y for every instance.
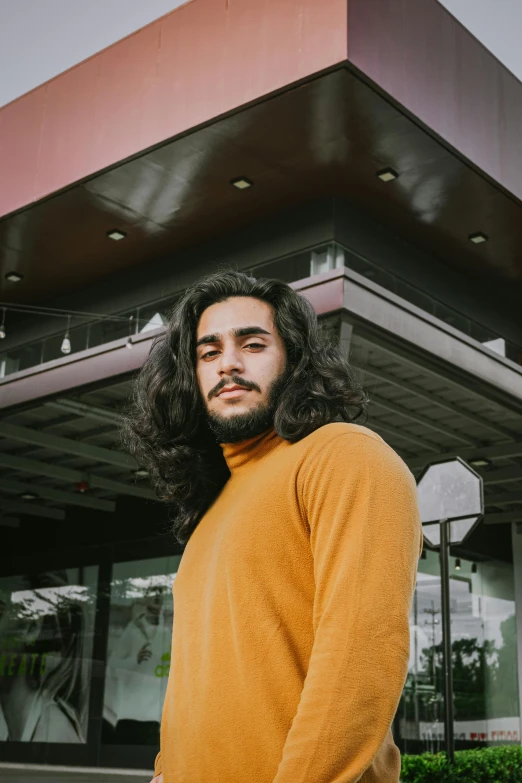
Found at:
(290, 643)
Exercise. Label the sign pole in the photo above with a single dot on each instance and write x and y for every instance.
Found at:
(449, 736)
(451, 504)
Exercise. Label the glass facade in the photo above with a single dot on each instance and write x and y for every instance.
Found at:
(138, 650)
(46, 640)
(47, 626)
(484, 653)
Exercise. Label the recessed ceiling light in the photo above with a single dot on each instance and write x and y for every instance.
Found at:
(479, 463)
(14, 277)
(116, 234)
(241, 183)
(141, 473)
(478, 238)
(387, 175)
(28, 496)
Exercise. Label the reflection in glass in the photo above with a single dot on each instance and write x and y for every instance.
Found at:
(46, 636)
(138, 659)
(484, 659)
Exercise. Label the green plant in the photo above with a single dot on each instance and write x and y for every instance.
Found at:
(488, 765)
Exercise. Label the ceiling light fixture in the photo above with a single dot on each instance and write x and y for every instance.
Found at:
(457, 564)
(480, 463)
(28, 496)
(241, 183)
(478, 238)
(2, 325)
(387, 175)
(66, 344)
(141, 473)
(14, 277)
(116, 234)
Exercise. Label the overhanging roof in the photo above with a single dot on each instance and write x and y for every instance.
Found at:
(307, 99)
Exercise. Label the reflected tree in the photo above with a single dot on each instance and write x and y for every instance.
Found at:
(484, 675)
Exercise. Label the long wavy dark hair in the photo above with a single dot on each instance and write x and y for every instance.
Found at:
(166, 427)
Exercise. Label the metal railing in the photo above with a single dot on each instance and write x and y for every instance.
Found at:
(89, 333)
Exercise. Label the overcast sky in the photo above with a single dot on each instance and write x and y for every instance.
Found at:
(497, 24)
(41, 38)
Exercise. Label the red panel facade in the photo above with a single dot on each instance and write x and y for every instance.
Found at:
(419, 54)
(202, 60)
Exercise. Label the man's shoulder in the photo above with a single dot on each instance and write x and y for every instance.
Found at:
(330, 434)
(346, 444)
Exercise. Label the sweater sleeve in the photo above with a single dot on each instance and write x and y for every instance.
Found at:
(359, 500)
(157, 765)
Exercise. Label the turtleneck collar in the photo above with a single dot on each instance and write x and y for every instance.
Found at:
(249, 452)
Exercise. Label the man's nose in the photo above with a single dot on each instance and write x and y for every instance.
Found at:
(231, 362)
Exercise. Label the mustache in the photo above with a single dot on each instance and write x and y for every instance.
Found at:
(234, 380)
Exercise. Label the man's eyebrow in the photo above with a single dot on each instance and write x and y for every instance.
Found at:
(242, 331)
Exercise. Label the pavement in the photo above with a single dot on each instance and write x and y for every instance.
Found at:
(36, 773)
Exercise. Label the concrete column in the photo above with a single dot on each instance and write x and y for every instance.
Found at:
(517, 567)
(345, 336)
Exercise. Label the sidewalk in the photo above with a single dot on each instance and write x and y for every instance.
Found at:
(35, 773)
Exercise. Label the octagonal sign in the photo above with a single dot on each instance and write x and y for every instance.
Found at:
(459, 530)
(450, 490)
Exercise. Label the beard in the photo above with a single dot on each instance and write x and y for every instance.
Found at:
(242, 426)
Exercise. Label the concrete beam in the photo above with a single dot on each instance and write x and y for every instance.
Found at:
(72, 476)
(441, 429)
(502, 475)
(85, 410)
(49, 493)
(503, 499)
(66, 445)
(32, 510)
(487, 452)
(101, 363)
(503, 517)
(377, 424)
(434, 399)
(382, 313)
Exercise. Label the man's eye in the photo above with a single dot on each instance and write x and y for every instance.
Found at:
(209, 354)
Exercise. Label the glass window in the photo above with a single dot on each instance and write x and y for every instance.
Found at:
(138, 654)
(46, 638)
(484, 652)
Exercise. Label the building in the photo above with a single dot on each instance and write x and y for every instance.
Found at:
(365, 152)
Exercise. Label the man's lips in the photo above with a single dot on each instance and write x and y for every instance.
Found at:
(236, 391)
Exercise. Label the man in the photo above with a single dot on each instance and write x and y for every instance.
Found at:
(133, 690)
(291, 604)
